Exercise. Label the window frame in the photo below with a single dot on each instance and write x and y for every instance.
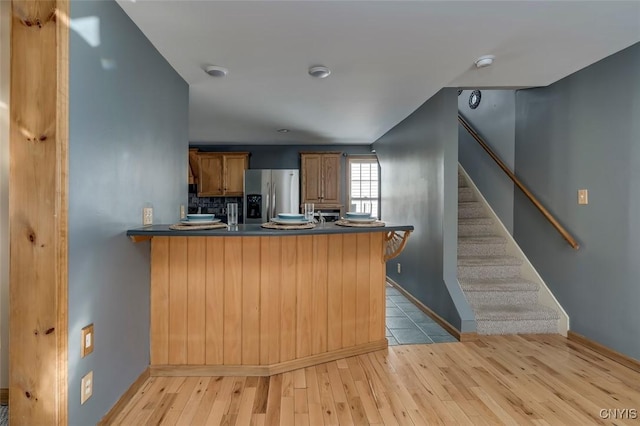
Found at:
(367, 158)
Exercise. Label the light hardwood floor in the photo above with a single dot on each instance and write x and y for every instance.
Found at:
(536, 379)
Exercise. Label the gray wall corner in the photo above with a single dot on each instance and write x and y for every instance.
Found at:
(466, 317)
(128, 145)
(418, 166)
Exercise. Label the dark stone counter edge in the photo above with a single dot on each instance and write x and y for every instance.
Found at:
(257, 230)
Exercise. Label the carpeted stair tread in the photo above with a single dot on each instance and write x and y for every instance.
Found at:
(488, 261)
(468, 209)
(465, 194)
(478, 235)
(476, 226)
(516, 284)
(481, 239)
(475, 221)
(514, 313)
(469, 204)
(482, 245)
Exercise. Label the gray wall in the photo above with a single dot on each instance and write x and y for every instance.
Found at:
(128, 143)
(418, 160)
(584, 132)
(494, 120)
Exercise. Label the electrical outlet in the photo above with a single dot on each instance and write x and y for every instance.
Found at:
(399, 268)
(183, 213)
(147, 216)
(87, 340)
(583, 196)
(86, 387)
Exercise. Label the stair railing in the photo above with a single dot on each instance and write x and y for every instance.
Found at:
(565, 234)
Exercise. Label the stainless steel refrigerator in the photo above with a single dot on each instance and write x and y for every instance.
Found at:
(269, 192)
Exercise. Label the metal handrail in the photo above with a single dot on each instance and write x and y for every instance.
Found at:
(565, 234)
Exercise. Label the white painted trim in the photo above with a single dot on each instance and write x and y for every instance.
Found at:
(545, 296)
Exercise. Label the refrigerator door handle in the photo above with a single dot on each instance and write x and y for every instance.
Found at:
(268, 205)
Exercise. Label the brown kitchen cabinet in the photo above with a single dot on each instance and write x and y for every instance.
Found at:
(234, 166)
(321, 178)
(221, 174)
(193, 166)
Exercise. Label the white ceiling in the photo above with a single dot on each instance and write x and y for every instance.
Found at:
(386, 57)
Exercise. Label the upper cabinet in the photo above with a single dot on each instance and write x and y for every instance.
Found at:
(234, 165)
(321, 178)
(193, 166)
(221, 174)
(210, 174)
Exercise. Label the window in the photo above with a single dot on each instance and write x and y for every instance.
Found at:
(364, 184)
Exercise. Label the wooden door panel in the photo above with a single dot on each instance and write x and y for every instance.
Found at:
(331, 179)
(210, 175)
(234, 167)
(311, 178)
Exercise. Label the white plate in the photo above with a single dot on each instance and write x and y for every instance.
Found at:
(289, 221)
(200, 222)
(358, 214)
(290, 216)
(360, 219)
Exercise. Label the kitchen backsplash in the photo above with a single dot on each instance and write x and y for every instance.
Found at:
(215, 205)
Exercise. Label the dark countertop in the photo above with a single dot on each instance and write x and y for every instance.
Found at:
(257, 230)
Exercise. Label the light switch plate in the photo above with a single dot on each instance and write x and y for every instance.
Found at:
(583, 196)
(87, 340)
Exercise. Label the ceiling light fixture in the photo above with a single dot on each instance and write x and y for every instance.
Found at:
(283, 130)
(484, 61)
(319, 71)
(216, 71)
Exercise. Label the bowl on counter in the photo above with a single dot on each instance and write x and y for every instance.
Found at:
(290, 216)
(290, 219)
(358, 215)
(200, 217)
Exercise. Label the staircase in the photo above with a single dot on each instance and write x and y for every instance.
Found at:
(491, 279)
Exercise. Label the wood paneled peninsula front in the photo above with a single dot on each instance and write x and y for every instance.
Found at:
(255, 301)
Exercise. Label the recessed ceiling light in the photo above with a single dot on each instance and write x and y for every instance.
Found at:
(484, 61)
(319, 71)
(283, 130)
(216, 71)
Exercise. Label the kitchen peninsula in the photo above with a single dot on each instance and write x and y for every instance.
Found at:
(257, 301)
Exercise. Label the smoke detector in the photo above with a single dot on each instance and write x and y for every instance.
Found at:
(319, 71)
(216, 71)
(484, 61)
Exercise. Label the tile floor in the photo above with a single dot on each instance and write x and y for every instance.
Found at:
(408, 325)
